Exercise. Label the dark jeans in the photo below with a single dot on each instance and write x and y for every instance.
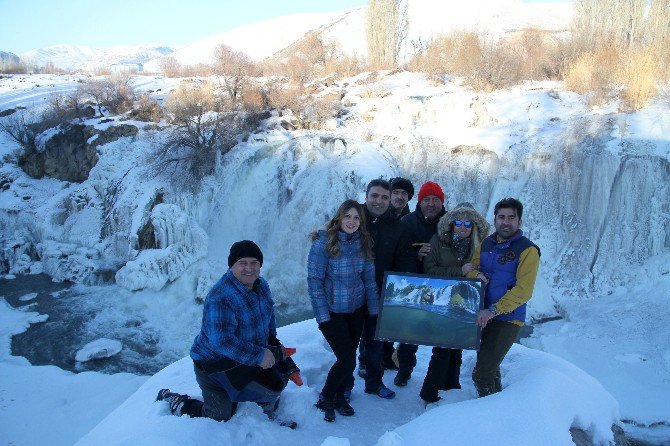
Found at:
(444, 371)
(371, 355)
(497, 339)
(406, 359)
(342, 332)
(216, 401)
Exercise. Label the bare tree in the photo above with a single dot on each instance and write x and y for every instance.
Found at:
(386, 26)
(169, 66)
(204, 126)
(235, 68)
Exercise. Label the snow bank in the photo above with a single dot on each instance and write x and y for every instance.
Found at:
(65, 404)
(543, 397)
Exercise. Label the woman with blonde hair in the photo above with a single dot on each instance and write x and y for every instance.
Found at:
(459, 232)
(342, 288)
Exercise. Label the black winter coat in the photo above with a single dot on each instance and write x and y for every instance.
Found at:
(418, 229)
(390, 245)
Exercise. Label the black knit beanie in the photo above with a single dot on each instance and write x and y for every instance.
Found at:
(404, 184)
(245, 248)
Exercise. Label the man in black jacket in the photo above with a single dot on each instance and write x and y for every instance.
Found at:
(419, 227)
(390, 249)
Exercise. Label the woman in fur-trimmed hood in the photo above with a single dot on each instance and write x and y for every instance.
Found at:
(459, 232)
(449, 251)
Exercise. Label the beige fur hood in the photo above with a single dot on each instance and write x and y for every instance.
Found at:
(480, 230)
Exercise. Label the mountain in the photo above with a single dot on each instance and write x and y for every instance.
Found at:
(74, 57)
(258, 40)
(8, 59)
(426, 18)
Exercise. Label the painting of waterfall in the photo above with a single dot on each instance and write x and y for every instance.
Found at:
(430, 310)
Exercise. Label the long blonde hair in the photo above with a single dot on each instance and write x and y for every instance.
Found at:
(334, 225)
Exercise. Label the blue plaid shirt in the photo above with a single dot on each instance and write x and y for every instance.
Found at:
(236, 322)
(340, 284)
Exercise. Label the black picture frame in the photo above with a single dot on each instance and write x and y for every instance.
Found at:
(430, 310)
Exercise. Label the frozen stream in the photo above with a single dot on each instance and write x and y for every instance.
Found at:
(155, 329)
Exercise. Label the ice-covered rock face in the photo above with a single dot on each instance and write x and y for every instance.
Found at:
(594, 186)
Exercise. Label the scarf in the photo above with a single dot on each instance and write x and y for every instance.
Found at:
(461, 245)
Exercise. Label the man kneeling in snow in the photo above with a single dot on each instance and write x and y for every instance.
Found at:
(237, 356)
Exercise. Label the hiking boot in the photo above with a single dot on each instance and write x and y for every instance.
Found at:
(400, 380)
(272, 416)
(362, 372)
(327, 407)
(345, 408)
(432, 402)
(382, 392)
(176, 401)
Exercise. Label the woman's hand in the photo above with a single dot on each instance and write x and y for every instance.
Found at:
(467, 268)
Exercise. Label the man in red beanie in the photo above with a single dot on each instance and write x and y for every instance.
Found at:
(419, 226)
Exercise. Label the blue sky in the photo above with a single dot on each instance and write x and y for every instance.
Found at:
(32, 24)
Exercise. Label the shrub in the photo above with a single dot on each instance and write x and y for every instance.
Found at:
(113, 93)
(204, 125)
(638, 74)
(309, 111)
(147, 110)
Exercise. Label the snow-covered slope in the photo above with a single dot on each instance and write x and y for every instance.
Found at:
(78, 57)
(549, 396)
(259, 40)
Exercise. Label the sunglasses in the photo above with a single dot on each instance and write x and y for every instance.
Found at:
(458, 223)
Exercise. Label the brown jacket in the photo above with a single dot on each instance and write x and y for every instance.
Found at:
(443, 258)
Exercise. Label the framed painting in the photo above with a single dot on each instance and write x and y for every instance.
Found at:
(430, 310)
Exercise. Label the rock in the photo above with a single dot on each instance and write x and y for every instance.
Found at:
(70, 153)
(582, 438)
(98, 349)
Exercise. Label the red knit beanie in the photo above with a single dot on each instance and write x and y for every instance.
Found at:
(430, 188)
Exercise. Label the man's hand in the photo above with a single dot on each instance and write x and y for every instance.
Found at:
(424, 250)
(268, 359)
(483, 317)
(483, 278)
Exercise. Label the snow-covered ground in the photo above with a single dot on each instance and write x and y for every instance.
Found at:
(595, 184)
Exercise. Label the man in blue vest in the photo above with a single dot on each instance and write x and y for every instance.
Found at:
(508, 264)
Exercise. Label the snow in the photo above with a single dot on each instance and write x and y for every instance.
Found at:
(28, 297)
(538, 387)
(47, 404)
(595, 185)
(98, 349)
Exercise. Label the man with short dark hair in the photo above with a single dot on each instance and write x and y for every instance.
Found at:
(402, 190)
(507, 263)
(419, 227)
(237, 356)
(390, 255)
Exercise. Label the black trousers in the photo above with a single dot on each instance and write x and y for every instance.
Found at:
(497, 339)
(342, 332)
(406, 359)
(444, 371)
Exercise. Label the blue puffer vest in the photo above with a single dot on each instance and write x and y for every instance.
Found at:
(499, 261)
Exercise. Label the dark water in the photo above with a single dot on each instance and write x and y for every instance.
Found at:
(75, 319)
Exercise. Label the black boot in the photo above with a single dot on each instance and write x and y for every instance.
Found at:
(175, 400)
(344, 408)
(328, 407)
